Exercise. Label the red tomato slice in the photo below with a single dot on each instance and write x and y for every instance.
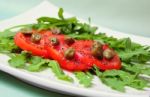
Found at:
(25, 43)
(103, 64)
(82, 60)
(78, 63)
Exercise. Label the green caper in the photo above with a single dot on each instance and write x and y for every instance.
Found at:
(54, 41)
(97, 50)
(55, 30)
(36, 37)
(69, 40)
(69, 53)
(108, 54)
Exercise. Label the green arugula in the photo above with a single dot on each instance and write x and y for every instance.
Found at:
(136, 68)
(118, 79)
(84, 78)
(18, 61)
(35, 63)
(58, 71)
(60, 13)
(38, 63)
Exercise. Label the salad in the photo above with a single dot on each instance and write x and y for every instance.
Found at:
(68, 44)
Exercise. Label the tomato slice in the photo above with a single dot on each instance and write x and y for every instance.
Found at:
(103, 64)
(78, 63)
(82, 59)
(25, 43)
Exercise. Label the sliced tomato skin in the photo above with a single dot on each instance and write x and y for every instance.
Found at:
(78, 63)
(20, 40)
(103, 64)
(70, 65)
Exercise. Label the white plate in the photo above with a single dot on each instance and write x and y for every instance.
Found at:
(46, 78)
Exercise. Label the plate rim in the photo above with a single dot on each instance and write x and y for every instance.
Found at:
(47, 84)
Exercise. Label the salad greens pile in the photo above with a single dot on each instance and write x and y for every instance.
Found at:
(134, 56)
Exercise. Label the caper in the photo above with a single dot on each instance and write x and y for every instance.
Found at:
(69, 40)
(36, 37)
(97, 52)
(69, 53)
(55, 30)
(97, 49)
(54, 41)
(108, 54)
(97, 44)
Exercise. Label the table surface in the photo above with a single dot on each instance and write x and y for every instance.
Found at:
(123, 15)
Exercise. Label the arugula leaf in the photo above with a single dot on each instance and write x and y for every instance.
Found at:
(7, 34)
(47, 20)
(130, 55)
(6, 44)
(136, 68)
(35, 59)
(139, 84)
(114, 83)
(60, 13)
(10, 32)
(67, 25)
(118, 79)
(37, 64)
(125, 78)
(146, 71)
(18, 61)
(84, 78)
(58, 71)
(97, 71)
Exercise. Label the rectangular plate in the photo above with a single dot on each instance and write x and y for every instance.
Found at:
(46, 79)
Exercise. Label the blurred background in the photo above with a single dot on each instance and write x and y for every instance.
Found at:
(128, 16)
